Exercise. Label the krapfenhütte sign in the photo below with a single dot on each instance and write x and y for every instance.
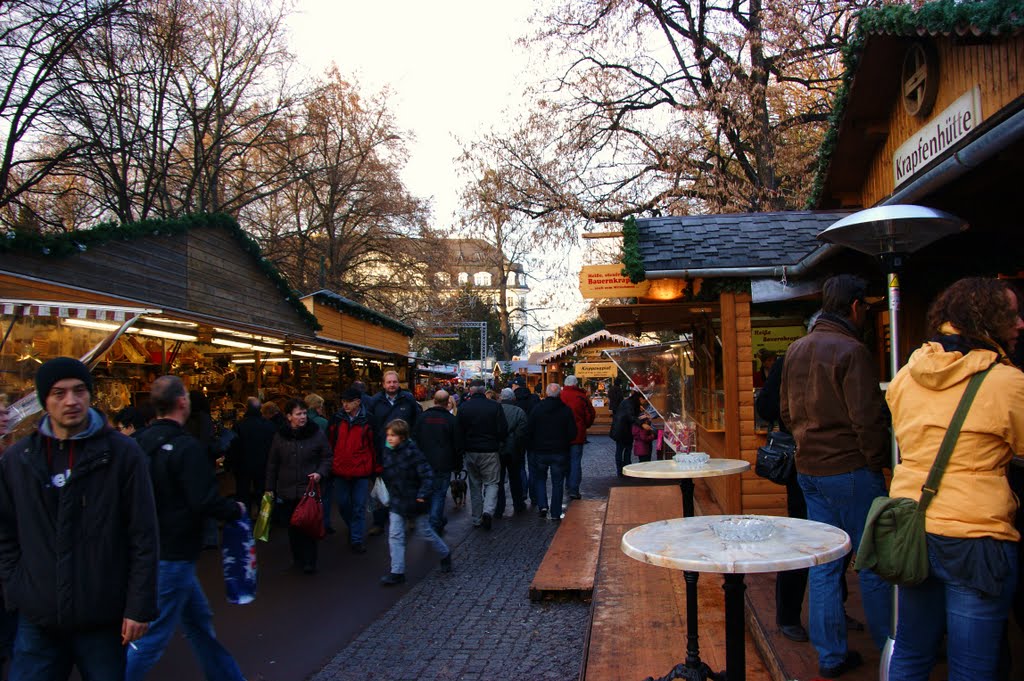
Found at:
(607, 281)
(940, 133)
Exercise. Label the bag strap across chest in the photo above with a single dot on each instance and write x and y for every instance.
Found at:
(931, 485)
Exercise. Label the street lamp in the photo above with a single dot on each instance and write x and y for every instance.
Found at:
(891, 233)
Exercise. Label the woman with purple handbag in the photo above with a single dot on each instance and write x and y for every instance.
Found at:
(299, 457)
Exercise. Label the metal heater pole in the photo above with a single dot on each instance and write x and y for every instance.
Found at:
(894, 366)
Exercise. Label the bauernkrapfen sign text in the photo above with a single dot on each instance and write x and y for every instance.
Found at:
(939, 134)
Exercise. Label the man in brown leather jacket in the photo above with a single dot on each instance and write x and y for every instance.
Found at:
(832, 403)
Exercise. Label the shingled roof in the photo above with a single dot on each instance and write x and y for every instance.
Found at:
(734, 240)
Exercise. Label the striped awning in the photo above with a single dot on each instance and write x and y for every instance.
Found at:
(64, 310)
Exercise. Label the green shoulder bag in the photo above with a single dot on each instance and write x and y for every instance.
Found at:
(894, 544)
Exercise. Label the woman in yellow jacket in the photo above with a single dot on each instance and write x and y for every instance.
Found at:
(972, 543)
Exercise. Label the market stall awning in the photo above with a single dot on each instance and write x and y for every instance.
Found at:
(655, 316)
(597, 336)
(66, 310)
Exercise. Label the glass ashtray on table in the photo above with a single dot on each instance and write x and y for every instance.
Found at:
(743, 529)
(692, 459)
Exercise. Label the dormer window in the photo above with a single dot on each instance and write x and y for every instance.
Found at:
(463, 277)
(482, 279)
(443, 278)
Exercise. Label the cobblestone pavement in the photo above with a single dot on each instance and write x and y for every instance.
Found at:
(478, 621)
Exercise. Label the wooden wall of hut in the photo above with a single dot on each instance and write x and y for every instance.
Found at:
(204, 271)
(998, 67)
(347, 329)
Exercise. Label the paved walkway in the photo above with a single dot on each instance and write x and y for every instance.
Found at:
(478, 622)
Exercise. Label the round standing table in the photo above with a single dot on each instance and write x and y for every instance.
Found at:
(670, 470)
(690, 544)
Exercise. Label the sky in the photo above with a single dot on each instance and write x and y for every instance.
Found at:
(453, 68)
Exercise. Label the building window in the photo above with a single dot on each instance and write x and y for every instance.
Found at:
(463, 277)
(521, 278)
(443, 278)
(482, 279)
(512, 302)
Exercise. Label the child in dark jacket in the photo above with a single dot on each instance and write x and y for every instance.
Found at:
(643, 436)
(408, 477)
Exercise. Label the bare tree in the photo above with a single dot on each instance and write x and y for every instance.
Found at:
(348, 221)
(36, 39)
(677, 106)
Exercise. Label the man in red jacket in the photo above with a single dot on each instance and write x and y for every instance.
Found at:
(583, 411)
(353, 463)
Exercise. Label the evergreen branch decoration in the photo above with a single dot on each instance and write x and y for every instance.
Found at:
(943, 17)
(70, 243)
(632, 260)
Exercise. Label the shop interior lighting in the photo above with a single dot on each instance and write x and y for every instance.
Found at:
(170, 322)
(244, 346)
(92, 324)
(268, 359)
(313, 355)
(169, 335)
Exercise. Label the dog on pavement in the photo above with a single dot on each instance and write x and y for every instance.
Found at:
(459, 487)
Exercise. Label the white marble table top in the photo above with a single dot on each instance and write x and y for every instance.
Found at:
(690, 544)
(670, 470)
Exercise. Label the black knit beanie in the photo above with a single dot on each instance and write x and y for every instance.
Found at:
(57, 370)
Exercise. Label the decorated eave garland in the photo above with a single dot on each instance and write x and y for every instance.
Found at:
(70, 243)
(986, 17)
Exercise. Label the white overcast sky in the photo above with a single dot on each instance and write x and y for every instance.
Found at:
(453, 68)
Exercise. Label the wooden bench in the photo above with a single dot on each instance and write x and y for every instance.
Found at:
(638, 621)
(570, 564)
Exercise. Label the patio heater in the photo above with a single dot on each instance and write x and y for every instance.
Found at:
(891, 233)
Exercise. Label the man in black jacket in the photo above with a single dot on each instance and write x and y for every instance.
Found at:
(484, 429)
(248, 455)
(438, 435)
(550, 429)
(186, 492)
(78, 536)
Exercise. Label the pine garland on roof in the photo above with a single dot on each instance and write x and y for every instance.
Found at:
(632, 261)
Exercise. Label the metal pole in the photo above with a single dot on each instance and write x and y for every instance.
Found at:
(894, 366)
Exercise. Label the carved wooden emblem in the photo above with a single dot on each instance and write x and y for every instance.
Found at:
(920, 79)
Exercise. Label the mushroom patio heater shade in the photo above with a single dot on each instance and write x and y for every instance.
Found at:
(891, 233)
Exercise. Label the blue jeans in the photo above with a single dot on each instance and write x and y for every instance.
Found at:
(352, 495)
(972, 621)
(540, 464)
(438, 498)
(843, 501)
(44, 655)
(575, 469)
(181, 599)
(396, 540)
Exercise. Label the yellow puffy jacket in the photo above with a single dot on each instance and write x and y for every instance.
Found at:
(974, 497)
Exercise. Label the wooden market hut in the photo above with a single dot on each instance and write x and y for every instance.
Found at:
(211, 303)
(947, 77)
(585, 358)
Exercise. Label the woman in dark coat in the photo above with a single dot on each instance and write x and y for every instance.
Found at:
(299, 453)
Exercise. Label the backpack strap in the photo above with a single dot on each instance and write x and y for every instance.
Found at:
(931, 485)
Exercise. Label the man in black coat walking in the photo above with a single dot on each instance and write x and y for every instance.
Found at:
(439, 438)
(484, 429)
(550, 429)
(186, 493)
